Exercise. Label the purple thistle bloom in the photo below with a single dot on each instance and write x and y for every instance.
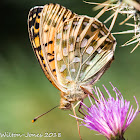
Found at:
(110, 117)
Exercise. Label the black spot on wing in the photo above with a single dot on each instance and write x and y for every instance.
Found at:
(46, 30)
(51, 60)
(100, 35)
(34, 11)
(37, 25)
(41, 57)
(64, 19)
(87, 36)
(50, 54)
(44, 65)
(46, 44)
(31, 23)
(50, 42)
(38, 48)
(54, 70)
(36, 35)
(92, 29)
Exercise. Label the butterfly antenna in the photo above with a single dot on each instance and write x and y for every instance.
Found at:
(43, 114)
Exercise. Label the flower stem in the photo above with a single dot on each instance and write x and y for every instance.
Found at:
(118, 137)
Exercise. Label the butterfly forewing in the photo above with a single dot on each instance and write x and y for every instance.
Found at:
(42, 24)
(34, 29)
(52, 16)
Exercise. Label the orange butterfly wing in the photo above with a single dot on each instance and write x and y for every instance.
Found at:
(46, 19)
(33, 28)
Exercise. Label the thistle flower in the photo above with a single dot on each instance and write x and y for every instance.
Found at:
(110, 117)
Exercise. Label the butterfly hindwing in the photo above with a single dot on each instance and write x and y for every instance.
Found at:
(97, 51)
(84, 50)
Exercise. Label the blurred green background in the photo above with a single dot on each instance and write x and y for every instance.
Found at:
(25, 92)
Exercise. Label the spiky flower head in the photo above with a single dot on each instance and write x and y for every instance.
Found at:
(110, 117)
(130, 8)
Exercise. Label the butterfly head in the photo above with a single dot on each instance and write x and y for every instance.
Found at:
(73, 95)
(65, 104)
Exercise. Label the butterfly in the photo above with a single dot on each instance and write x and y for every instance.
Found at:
(73, 50)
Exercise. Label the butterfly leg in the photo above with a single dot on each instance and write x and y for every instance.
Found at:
(80, 108)
(73, 107)
(89, 93)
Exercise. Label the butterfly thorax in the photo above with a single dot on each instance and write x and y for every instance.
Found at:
(71, 96)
